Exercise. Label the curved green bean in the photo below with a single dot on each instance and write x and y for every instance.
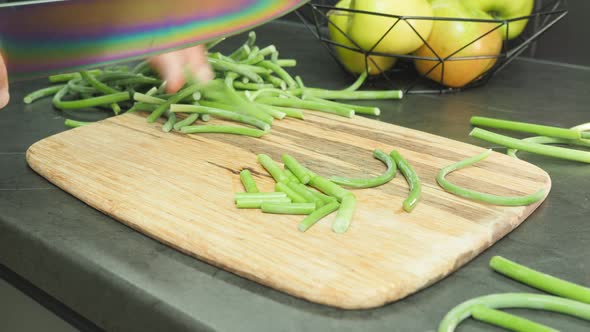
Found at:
(540, 280)
(412, 179)
(248, 181)
(317, 215)
(514, 300)
(89, 102)
(61, 78)
(479, 196)
(372, 182)
(287, 208)
(298, 170)
(76, 85)
(42, 93)
(219, 113)
(358, 83)
(282, 73)
(506, 320)
(212, 129)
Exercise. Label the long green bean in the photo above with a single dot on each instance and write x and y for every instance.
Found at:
(358, 109)
(298, 170)
(219, 113)
(479, 196)
(307, 104)
(412, 179)
(272, 168)
(256, 203)
(260, 115)
(223, 130)
(514, 300)
(549, 131)
(89, 102)
(513, 143)
(97, 84)
(293, 195)
(42, 93)
(283, 74)
(549, 140)
(188, 91)
(540, 280)
(251, 86)
(245, 70)
(60, 78)
(380, 180)
(353, 95)
(189, 120)
(80, 86)
(317, 215)
(284, 63)
(287, 208)
(506, 320)
(248, 181)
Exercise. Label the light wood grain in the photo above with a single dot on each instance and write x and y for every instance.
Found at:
(179, 190)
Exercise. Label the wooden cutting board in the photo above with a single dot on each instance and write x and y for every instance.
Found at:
(178, 189)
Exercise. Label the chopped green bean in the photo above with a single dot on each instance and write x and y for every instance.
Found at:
(244, 70)
(275, 81)
(223, 114)
(169, 124)
(80, 86)
(324, 198)
(253, 203)
(526, 127)
(189, 120)
(506, 320)
(294, 196)
(540, 280)
(513, 143)
(298, 170)
(212, 129)
(302, 191)
(97, 84)
(514, 300)
(306, 104)
(290, 112)
(276, 114)
(280, 72)
(41, 93)
(372, 182)
(286, 62)
(144, 98)
(317, 215)
(251, 86)
(75, 124)
(248, 181)
(358, 83)
(479, 196)
(116, 108)
(260, 195)
(61, 78)
(412, 179)
(273, 91)
(328, 187)
(268, 50)
(272, 168)
(288, 208)
(251, 111)
(178, 97)
(290, 176)
(144, 107)
(89, 102)
(205, 117)
(345, 214)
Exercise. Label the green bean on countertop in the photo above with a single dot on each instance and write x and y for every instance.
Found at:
(189, 120)
(288, 208)
(292, 194)
(382, 179)
(304, 192)
(506, 320)
(75, 124)
(479, 196)
(259, 195)
(213, 129)
(296, 168)
(272, 168)
(317, 215)
(345, 214)
(256, 203)
(248, 181)
(412, 179)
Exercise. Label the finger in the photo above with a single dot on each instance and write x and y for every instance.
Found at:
(169, 65)
(4, 96)
(198, 63)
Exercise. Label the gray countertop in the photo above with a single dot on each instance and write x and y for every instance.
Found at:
(123, 281)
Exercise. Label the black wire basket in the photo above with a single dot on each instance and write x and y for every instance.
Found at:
(423, 71)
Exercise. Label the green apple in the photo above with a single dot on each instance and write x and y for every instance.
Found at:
(368, 29)
(453, 39)
(505, 10)
(355, 62)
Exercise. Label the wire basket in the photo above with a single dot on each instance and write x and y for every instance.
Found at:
(404, 75)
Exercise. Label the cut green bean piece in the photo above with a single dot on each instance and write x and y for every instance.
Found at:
(272, 168)
(290, 112)
(294, 196)
(205, 117)
(514, 300)
(189, 120)
(328, 187)
(276, 114)
(144, 98)
(252, 111)
(544, 150)
(542, 281)
(358, 109)
(302, 191)
(212, 129)
(222, 114)
(89, 102)
(294, 166)
(248, 181)
(251, 72)
(42, 93)
(60, 78)
(358, 83)
(291, 176)
(307, 104)
(506, 320)
(412, 179)
(542, 130)
(260, 195)
(252, 86)
(280, 72)
(188, 91)
(275, 81)
(372, 182)
(80, 86)
(479, 196)
(254, 203)
(169, 124)
(97, 84)
(353, 95)
(75, 124)
(324, 198)
(288, 208)
(116, 108)
(286, 63)
(317, 215)
(345, 214)
(144, 107)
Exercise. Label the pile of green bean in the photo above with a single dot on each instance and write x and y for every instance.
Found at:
(568, 298)
(251, 87)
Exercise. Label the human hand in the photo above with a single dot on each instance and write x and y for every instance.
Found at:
(4, 96)
(172, 65)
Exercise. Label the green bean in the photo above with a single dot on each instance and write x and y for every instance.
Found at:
(526, 127)
(358, 109)
(116, 69)
(178, 97)
(113, 76)
(223, 130)
(288, 208)
(272, 111)
(137, 81)
(506, 320)
(274, 91)
(169, 124)
(97, 84)
(290, 112)
(345, 214)
(514, 300)
(358, 83)
(222, 114)
(306, 104)
(253, 60)
(280, 72)
(76, 85)
(229, 79)
(540, 280)
(411, 178)
(299, 82)
(251, 111)
(89, 102)
(244, 70)
(324, 198)
(75, 124)
(270, 49)
(240, 53)
(372, 182)
(259, 195)
(286, 62)
(42, 93)
(479, 196)
(513, 143)
(302, 191)
(144, 98)
(317, 215)
(141, 67)
(328, 187)
(210, 45)
(248, 181)
(252, 86)
(116, 108)
(294, 196)
(298, 170)
(549, 140)
(61, 78)
(272, 168)
(290, 176)
(275, 81)
(253, 203)
(353, 95)
(205, 117)
(189, 120)
(144, 107)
